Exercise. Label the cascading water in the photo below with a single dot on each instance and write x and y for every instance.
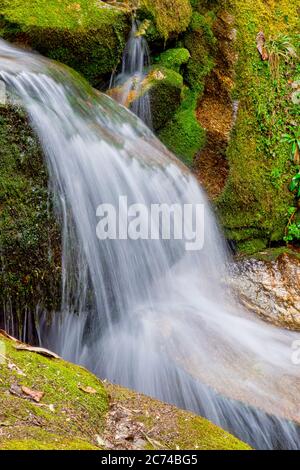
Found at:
(128, 84)
(147, 313)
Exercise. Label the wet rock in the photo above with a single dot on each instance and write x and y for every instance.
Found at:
(270, 287)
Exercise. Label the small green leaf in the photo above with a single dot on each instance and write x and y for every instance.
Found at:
(295, 183)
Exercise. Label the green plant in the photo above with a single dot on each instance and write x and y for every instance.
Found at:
(295, 185)
(292, 231)
(280, 48)
(293, 138)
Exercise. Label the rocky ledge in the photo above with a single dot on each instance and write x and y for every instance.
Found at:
(269, 285)
(47, 403)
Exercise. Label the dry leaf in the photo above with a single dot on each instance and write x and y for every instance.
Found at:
(261, 42)
(13, 366)
(87, 389)
(100, 442)
(34, 394)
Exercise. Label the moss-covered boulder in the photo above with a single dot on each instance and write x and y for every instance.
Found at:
(254, 207)
(174, 58)
(46, 403)
(29, 235)
(170, 17)
(87, 35)
(200, 42)
(165, 87)
(267, 284)
(183, 134)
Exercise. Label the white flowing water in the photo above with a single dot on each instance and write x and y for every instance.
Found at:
(147, 313)
(135, 61)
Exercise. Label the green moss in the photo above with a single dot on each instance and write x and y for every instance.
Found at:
(249, 247)
(172, 428)
(202, 432)
(171, 17)
(47, 441)
(30, 273)
(165, 94)
(272, 254)
(183, 135)
(174, 58)
(88, 36)
(69, 418)
(256, 199)
(200, 42)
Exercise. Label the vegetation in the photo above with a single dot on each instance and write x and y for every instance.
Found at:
(171, 17)
(87, 36)
(254, 207)
(66, 407)
(183, 134)
(165, 94)
(292, 231)
(174, 59)
(29, 235)
(279, 49)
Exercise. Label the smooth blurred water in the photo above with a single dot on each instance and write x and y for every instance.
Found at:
(135, 61)
(147, 313)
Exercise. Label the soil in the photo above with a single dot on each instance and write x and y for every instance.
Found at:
(216, 112)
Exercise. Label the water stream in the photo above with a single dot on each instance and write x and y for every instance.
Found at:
(128, 84)
(147, 314)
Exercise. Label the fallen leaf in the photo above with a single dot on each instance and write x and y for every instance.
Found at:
(34, 394)
(87, 389)
(261, 43)
(100, 442)
(13, 366)
(42, 351)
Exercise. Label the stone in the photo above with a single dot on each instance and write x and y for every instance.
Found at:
(270, 288)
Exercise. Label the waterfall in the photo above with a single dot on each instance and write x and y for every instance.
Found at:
(147, 313)
(128, 83)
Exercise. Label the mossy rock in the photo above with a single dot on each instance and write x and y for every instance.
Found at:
(171, 17)
(200, 43)
(79, 412)
(174, 58)
(271, 254)
(30, 272)
(249, 247)
(86, 35)
(165, 86)
(256, 200)
(183, 134)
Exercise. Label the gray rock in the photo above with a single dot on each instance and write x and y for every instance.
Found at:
(270, 288)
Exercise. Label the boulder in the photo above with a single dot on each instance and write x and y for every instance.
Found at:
(87, 36)
(67, 408)
(269, 285)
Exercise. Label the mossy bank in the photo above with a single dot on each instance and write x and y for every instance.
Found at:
(89, 36)
(254, 207)
(47, 403)
(29, 235)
